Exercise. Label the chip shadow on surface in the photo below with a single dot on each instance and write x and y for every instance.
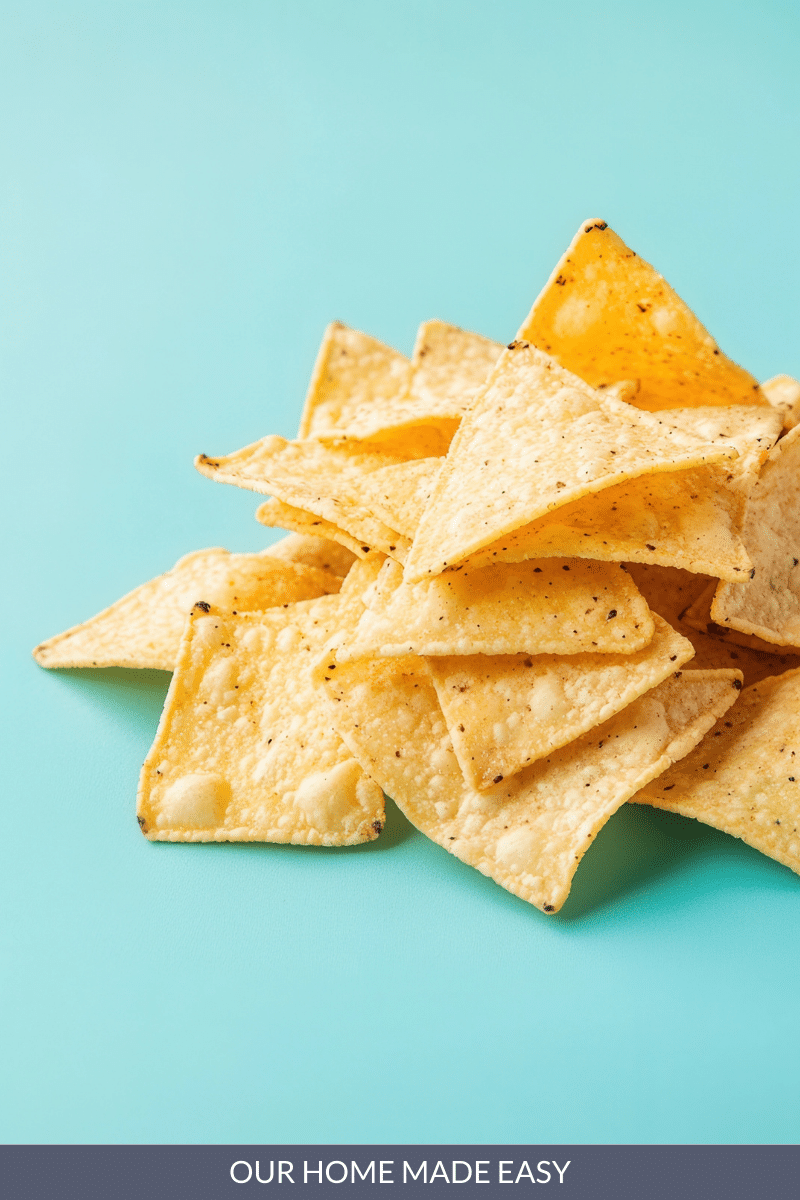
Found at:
(640, 845)
(135, 695)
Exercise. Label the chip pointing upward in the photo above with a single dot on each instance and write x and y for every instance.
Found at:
(537, 438)
(352, 369)
(607, 315)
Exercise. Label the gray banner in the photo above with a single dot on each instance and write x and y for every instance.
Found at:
(577, 1172)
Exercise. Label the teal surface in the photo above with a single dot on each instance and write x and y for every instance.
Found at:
(190, 192)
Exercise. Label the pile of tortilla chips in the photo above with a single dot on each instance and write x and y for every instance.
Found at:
(523, 585)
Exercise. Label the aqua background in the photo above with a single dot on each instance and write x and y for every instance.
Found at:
(190, 191)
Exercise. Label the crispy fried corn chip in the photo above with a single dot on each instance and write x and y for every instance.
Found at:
(698, 616)
(246, 750)
(783, 393)
(309, 551)
(607, 315)
(751, 428)
(144, 628)
(530, 832)
(449, 368)
(398, 495)
(505, 712)
(321, 479)
(552, 607)
(768, 605)
(744, 777)
(672, 593)
(278, 515)
(537, 439)
(686, 519)
(352, 371)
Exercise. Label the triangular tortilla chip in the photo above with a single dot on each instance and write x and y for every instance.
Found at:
(698, 616)
(783, 393)
(246, 750)
(552, 607)
(506, 712)
(352, 370)
(398, 495)
(536, 439)
(744, 777)
(671, 592)
(322, 479)
(449, 366)
(144, 628)
(530, 832)
(277, 515)
(309, 551)
(752, 429)
(606, 314)
(686, 519)
(768, 604)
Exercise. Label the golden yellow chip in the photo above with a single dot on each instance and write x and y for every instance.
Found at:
(698, 616)
(549, 607)
(449, 367)
(277, 515)
(783, 393)
(144, 628)
(607, 315)
(672, 594)
(744, 777)
(321, 479)
(398, 495)
(503, 713)
(309, 551)
(768, 604)
(352, 370)
(530, 832)
(685, 519)
(751, 429)
(537, 439)
(246, 750)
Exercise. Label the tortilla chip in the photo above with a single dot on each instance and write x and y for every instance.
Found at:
(744, 777)
(352, 369)
(606, 314)
(685, 519)
(309, 551)
(398, 495)
(278, 515)
(552, 607)
(698, 616)
(245, 750)
(768, 604)
(672, 593)
(530, 832)
(144, 628)
(449, 368)
(537, 439)
(752, 429)
(321, 479)
(503, 713)
(783, 393)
